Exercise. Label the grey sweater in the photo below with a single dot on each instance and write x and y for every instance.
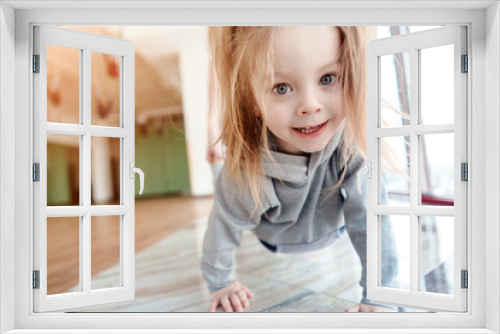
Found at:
(300, 207)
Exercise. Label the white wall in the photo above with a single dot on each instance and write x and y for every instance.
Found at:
(191, 45)
(193, 62)
(492, 162)
(7, 160)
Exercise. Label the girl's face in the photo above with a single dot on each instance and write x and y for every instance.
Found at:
(305, 102)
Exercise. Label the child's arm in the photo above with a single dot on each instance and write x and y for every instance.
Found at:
(228, 219)
(355, 220)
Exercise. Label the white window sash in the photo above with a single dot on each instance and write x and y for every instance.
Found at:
(413, 297)
(85, 297)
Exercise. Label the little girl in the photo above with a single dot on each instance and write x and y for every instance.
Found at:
(294, 125)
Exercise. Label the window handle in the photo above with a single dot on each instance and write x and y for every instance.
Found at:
(133, 170)
(367, 170)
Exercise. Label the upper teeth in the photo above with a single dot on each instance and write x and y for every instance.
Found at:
(308, 129)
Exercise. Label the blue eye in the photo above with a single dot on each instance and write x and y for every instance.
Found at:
(327, 79)
(281, 89)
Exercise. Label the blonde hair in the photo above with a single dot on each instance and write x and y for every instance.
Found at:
(242, 57)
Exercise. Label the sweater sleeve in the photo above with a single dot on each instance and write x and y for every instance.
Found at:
(355, 221)
(230, 216)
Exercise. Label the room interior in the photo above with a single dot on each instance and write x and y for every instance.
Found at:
(170, 219)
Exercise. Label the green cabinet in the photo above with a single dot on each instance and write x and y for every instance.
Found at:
(58, 176)
(163, 159)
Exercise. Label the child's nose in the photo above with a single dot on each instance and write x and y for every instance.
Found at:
(309, 105)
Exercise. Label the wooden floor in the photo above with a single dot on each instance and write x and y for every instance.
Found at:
(169, 234)
(155, 218)
(168, 278)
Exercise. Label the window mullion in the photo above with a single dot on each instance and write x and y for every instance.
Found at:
(444, 211)
(67, 129)
(85, 161)
(109, 210)
(414, 170)
(85, 253)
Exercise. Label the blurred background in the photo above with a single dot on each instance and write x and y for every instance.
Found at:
(171, 120)
(171, 103)
(161, 112)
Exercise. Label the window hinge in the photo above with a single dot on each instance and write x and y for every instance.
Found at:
(465, 64)
(36, 172)
(464, 171)
(36, 279)
(36, 63)
(465, 279)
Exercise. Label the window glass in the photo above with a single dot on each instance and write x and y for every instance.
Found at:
(63, 84)
(105, 251)
(105, 91)
(437, 237)
(63, 170)
(436, 85)
(437, 172)
(63, 255)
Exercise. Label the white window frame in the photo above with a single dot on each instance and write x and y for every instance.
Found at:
(414, 43)
(483, 21)
(85, 43)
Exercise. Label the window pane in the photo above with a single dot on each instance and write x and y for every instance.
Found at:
(437, 254)
(395, 251)
(395, 90)
(63, 85)
(437, 83)
(105, 252)
(105, 89)
(105, 173)
(63, 170)
(437, 175)
(395, 153)
(63, 255)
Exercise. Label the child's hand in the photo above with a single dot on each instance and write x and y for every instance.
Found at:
(215, 153)
(233, 298)
(368, 308)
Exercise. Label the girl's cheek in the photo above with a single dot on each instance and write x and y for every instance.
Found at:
(274, 108)
(339, 98)
(281, 104)
(281, 98)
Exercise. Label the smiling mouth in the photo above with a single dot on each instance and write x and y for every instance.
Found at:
(310, 129)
